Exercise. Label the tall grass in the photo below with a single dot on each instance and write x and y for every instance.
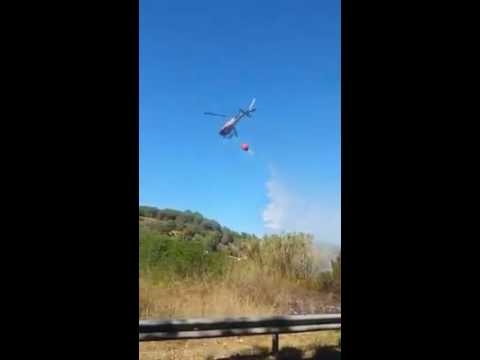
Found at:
(243, 290)
(186, 279)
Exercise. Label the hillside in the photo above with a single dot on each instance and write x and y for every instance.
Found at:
(188, 225)
(192, 226)
(216, 271)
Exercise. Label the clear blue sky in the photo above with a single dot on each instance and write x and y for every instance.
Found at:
(198, 56)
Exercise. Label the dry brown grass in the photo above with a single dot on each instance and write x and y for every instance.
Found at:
(228, 347)
(243, 291)
(246, 289)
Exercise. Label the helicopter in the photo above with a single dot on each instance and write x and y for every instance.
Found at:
(228, 129)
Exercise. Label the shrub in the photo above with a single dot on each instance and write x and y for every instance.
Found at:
(169, 257)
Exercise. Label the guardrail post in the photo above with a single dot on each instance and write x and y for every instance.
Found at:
(275, 344)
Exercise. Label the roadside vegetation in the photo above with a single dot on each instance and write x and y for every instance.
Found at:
(191, 266)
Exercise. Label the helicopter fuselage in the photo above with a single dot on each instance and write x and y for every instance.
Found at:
(228, 127)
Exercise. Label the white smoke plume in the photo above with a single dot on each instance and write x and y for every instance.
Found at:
(291, 212)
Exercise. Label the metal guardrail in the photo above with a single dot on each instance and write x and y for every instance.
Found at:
(159, 330)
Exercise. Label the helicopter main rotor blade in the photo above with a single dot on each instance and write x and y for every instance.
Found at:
(214, 114)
